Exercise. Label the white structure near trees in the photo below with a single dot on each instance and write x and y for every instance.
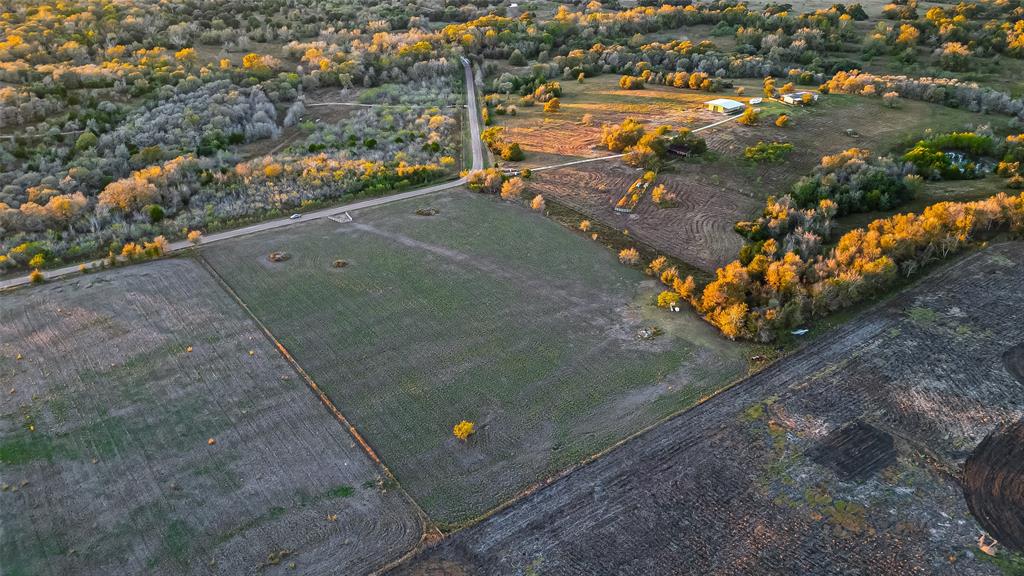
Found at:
(725, 106)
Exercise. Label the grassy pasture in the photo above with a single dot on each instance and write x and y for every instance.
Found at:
(114, 382)
(748, 483)
(482, 312)
(717, 190)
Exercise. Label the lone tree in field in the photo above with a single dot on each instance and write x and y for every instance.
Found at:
(890, 99)
(537, 203)
(782, 121)
(463, 430)
(553, 105)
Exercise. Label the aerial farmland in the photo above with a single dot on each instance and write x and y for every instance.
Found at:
(511, 288)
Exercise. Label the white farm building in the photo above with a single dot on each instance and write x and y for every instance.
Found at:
(797, 98)
(725, 106)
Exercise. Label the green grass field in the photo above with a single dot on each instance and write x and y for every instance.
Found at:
(484, 312)
(114, 383)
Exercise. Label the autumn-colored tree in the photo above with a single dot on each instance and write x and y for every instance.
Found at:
(273, 170)
(618, 138)
(782, 121)
(463, 430)
(552, 105)
(749, 117)
(128, 194)
(658, 263)
(667, 299)
(488, 180)
(629, 256)
(157, 247)
(537, 203)
(513, 189)
(585, 225)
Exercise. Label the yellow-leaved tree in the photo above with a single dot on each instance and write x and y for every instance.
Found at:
(463, 430)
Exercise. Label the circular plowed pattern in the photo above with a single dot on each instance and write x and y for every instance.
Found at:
(994, 484)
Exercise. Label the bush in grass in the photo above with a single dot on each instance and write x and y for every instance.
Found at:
(537, 203)
(585, 225)
(512, 189)
(552, 105)
(782, 121)
(749, 117)
(463, 430)
(512, 152)
(618, 138)
(668, 298)
(629, 256)
(631, 83)
(767, 151)
(487, 180)
(657, 264)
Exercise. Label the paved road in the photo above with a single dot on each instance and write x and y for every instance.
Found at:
(478, 163)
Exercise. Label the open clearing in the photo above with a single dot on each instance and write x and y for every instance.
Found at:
(105, 465)
(843, 458)
(722, 188)
(483, 312)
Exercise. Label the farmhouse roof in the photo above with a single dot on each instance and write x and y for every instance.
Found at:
(725, 103)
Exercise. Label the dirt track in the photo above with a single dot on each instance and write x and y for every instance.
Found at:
(728, 487)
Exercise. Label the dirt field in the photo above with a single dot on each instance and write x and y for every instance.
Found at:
(841, 459)
(484, 312)
(112, 385)
(717, 191)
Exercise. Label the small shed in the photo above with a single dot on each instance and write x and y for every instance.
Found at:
(797, 98)
(725, 106)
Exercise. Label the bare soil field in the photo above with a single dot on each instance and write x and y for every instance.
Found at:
(722, 188)
(148, 427)
(844, 458)
(484, 312)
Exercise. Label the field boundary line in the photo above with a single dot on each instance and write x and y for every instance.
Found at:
(428, 529)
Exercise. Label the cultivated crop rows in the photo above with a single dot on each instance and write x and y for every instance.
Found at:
(740, 484)
(146, 426)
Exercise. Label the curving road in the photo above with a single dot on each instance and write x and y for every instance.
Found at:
(478, 163)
